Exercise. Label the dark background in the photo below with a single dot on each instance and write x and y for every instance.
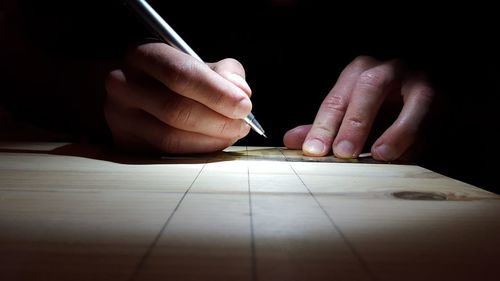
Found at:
(293, 55)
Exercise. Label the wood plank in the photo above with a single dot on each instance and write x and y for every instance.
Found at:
(421, 240)
(249, 213)
(78, 235)
(294, 239)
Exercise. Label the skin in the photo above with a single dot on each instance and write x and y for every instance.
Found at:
(347, 113)
(163, 99)
(166, 100)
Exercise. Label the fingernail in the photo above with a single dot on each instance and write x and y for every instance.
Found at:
(243, 108)
(386, 152)
(344, 149)
(314, 147)
(240, 82)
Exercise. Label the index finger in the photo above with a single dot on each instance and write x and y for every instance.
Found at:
(190, 78)
(333, 108)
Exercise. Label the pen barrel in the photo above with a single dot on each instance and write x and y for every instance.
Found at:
(168, 34)
(161, 27)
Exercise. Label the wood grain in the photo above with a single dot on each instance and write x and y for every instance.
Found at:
(73, 212)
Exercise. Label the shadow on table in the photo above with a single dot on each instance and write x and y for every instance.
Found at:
(113, 154)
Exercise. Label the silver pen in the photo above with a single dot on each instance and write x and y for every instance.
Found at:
(167, 33)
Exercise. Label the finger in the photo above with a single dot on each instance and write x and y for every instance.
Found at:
(331, 112)
(144, 131)
(294, 138)
(191, 78)
(367, 96)
(233, 71)
(418, 95)
(174, 110)
(118, 118)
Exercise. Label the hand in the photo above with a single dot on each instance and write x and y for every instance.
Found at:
(346, 116)
(166, 100)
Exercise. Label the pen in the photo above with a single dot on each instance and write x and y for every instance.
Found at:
(167, 33)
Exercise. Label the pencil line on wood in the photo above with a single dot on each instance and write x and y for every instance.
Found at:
(252, 232)
(353, 250)
(162, 230)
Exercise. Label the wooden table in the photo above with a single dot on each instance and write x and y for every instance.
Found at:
(77, 212)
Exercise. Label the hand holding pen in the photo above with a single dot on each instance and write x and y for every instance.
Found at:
(165, 99)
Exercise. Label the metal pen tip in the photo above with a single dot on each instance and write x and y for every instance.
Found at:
(250, 119)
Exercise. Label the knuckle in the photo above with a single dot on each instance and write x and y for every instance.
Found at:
(140, 52)
(426, 94)
(181, 76)
(166, 108)
(358, 123)
(231, 63)
(362, 62)
(218, 99)
(323, 132)
(116, 91)
(183, 116)
(114, 80)
(335, 103)
(374, 78)
(177, 112)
